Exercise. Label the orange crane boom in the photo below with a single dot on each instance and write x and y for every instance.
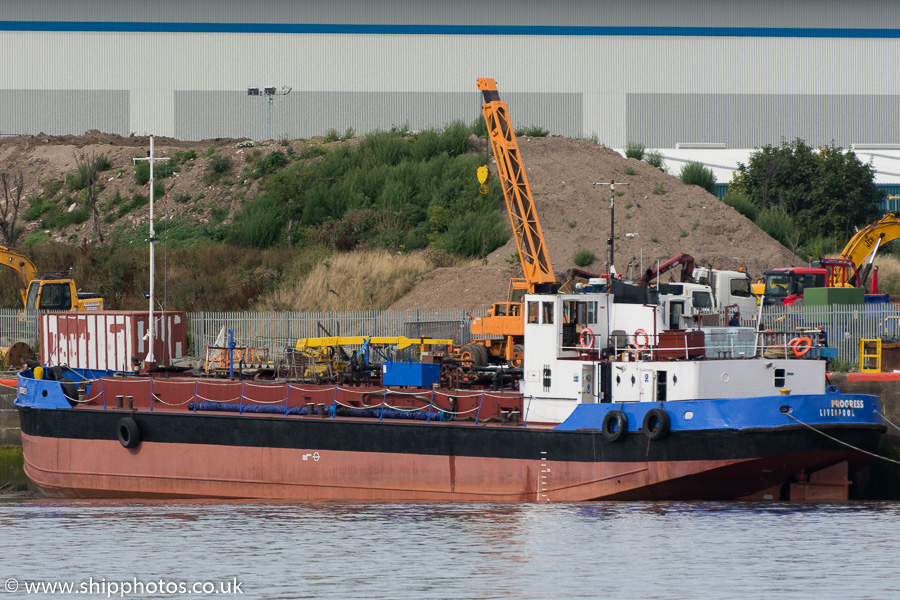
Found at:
(516, 190)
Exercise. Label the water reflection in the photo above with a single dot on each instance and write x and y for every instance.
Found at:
(406, 551)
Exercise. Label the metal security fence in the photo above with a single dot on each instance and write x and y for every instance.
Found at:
(844, 325)
(18, 326)
(278, 330)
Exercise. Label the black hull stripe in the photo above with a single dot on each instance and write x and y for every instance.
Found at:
(438, 439)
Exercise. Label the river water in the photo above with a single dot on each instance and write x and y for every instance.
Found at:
(416, 551)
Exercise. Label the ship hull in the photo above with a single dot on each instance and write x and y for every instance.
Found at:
(76, 453)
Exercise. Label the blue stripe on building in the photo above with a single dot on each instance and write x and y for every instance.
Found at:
(413, 29)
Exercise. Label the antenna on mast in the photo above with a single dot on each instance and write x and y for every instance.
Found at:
(612, 222)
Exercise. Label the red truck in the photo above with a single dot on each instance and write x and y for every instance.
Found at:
(785, 286)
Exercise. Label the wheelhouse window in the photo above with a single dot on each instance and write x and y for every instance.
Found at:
(533, 311)
(547, 313)
(592, 313)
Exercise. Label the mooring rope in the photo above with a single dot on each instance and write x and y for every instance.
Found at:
(843, 443)
(886, 419)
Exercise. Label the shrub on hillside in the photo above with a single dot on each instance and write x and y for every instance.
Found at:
(635, 150)
(479, 127)
(51, 187)
(75, 181)
(219, 164)
(455, 138)
(532, 131)
(695, 173)
(272, 162)
(57, 220)
(37, 205)
(384, 147)
(655, 159)
(474, 234)
(142, 172)
(742, 203)
(182, 156)
(346, 233)
(583, 258)
(259, 224)
(775, 222)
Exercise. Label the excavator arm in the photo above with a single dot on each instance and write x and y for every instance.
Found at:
(516, 190)
(863, 246)
(687, 267)
(21, 265)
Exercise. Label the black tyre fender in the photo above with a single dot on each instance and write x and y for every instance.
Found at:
(128, 432)
(70, 390)
(615, 424)
(656, 424)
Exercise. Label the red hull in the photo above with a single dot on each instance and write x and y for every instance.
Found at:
(100, 468)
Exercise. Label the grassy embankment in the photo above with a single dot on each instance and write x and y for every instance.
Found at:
(12, 471)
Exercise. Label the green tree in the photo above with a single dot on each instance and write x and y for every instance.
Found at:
(828, 192)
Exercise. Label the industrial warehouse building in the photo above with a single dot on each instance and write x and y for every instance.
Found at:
(727, 74)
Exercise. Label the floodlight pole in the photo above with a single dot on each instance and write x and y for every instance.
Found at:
(270, 92)
(150, 360)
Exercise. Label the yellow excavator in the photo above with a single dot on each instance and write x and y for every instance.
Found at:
(47, 291)
(854, 264)
(505, 321)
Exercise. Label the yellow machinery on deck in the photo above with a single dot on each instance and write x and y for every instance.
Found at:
(358, 340)
(324, 357)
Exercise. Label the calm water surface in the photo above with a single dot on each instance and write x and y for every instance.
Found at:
(609, 550)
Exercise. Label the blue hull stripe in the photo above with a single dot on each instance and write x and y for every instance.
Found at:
(413, 29)
(738, 413)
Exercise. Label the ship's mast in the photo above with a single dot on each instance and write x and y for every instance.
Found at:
(150, 360)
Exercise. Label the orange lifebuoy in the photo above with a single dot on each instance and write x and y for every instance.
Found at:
(646, 339)
(805, 343)
(587, 338)
(793, 342)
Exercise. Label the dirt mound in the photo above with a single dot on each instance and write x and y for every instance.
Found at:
(656, 217)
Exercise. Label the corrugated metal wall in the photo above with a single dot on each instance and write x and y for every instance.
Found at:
(305, 114)
(658, 72)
